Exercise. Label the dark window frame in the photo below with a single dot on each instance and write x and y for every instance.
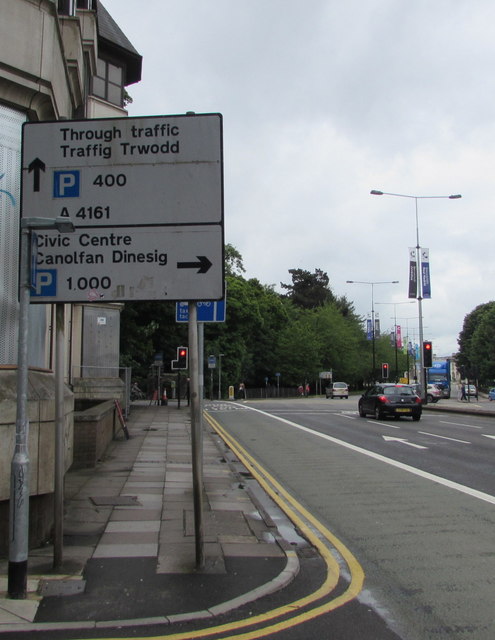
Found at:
(108, 83)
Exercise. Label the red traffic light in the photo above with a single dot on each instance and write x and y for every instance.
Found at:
(385, 370)
(427, 354)
(182, 353)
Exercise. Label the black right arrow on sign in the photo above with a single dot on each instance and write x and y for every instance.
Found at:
(202, 265)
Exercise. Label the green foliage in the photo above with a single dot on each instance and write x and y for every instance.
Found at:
(476, 356)
(297, 335)
(308, 290)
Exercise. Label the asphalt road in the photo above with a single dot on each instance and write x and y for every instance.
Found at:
(414, 503)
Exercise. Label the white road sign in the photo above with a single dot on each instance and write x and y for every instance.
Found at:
(125, 171)
(146, 198)
(122, 264)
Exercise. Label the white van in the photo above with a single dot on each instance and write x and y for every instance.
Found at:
(337, 390)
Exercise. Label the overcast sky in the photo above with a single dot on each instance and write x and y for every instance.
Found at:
(323, 101)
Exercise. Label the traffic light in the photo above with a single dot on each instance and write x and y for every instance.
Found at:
(385, 370)
(427, 354)
(182, 353)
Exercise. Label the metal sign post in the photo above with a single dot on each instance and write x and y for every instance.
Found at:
(196, 435)
(19, 480)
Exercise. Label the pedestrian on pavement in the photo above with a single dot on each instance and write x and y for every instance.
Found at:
(463, 393)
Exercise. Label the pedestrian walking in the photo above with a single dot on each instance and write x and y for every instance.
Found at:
(463, 393)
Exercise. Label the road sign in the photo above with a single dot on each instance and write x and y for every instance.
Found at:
(212, 362)
(207, 311)
(146, 197)
(125, 171)
(126, 264)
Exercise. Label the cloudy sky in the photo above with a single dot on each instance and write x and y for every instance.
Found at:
(323, 101)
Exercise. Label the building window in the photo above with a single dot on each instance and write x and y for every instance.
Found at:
(108, 82)
(67, 7)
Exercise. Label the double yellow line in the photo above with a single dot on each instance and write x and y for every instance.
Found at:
(306, 608)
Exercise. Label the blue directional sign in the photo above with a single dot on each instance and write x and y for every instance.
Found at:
(207, 311)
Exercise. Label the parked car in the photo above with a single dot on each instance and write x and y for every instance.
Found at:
(445, 389)
(337, 390)
(471, 390)
(491, 394)
(394, 400)
(433, 392)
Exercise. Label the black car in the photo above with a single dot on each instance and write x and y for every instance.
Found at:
(395, 400)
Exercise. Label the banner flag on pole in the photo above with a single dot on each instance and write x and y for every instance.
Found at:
(425, 273)
(369, 334)
(398, 337)
(413, 273)
(377, 327)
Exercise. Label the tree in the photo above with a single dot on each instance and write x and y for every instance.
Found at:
(233, 261)
(308, 290)
(476, 345)
(483, 347)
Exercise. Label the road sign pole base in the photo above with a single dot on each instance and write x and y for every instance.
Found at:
(17, 580)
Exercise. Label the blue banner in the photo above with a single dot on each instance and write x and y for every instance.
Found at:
(425, 273)
(413, 274)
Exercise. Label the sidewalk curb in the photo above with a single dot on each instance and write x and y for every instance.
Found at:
(17, 615)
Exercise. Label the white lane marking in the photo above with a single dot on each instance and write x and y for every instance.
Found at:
(434, 435)
(460, 424)
(474, 493)
(344, 415)
(403, 441)
(487, 436)
(383, 424)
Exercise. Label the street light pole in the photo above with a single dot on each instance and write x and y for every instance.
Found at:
(419, 279)
(395, 334)
(372, 284)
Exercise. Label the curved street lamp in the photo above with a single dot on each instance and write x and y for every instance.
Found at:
(372, 284)
(419, 287)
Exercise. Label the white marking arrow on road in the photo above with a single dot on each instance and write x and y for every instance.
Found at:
(404, 441)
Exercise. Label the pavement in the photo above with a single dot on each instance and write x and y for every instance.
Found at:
(482, 407)
(130, 556)
(130, 552)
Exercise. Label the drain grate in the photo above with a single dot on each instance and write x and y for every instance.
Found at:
(115, 501)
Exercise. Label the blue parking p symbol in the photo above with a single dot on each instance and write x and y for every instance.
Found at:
(66, 184)
(45, 283)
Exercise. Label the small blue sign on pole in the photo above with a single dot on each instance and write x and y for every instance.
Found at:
(207, 311)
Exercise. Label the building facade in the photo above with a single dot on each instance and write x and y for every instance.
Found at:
(59, 59)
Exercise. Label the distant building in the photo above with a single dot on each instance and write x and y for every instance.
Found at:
(64, 59)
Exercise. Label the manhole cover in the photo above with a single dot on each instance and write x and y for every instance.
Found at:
(61, 587)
